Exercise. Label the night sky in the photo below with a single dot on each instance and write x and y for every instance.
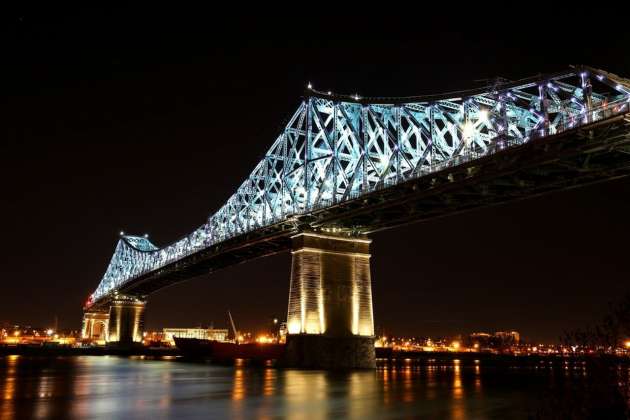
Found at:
(148, 121)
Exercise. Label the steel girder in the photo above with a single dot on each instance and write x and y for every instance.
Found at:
(337, 148)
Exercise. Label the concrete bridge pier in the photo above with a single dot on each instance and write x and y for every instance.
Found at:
(330, 322)
(126, 321)
(95, 324)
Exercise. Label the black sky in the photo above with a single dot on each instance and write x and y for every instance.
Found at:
(147, 122)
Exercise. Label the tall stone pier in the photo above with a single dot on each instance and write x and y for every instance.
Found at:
(126, 321)
(330, 322)
(95, 325)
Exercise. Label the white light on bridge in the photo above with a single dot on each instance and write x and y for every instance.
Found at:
(468, 130)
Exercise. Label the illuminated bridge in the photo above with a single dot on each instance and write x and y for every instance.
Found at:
(346, 166)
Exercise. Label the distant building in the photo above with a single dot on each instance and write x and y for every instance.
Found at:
(200, 333)
(498, 340)
(28, 335)
(512, 337)
(480, 340)
(481, 335)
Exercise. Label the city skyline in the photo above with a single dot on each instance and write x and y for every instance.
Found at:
(144, 148)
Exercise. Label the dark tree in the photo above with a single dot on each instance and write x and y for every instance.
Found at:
(597, 387)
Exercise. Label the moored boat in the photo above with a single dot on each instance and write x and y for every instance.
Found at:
(227, 351)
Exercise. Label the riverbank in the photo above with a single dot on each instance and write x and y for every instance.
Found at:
(384, 356)
(395, 357)
(30, 350)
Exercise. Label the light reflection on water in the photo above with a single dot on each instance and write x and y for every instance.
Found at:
(113, 387)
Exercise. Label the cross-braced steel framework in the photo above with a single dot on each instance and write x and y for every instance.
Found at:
(336, 148)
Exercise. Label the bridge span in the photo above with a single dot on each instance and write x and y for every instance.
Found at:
(347, 166)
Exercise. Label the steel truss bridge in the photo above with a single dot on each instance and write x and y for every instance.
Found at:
(355, 165)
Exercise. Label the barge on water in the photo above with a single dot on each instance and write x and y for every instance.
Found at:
(223, 351)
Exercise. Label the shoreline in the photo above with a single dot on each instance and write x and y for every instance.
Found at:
(27, 350)
(384, 356)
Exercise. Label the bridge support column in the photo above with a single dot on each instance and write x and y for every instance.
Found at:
(126, 321)
(330, 323)
(95, 324)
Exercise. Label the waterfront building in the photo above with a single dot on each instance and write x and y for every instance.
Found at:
(200, 333)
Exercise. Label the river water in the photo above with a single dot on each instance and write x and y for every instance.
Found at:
(109, 387)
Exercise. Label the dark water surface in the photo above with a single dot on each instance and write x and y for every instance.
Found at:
(109, 387)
